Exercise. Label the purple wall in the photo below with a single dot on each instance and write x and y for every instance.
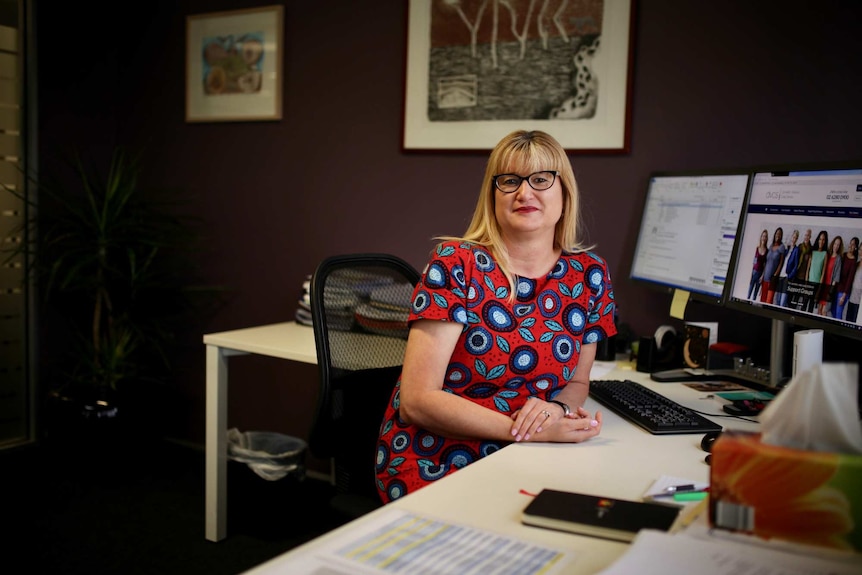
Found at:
(716, 85)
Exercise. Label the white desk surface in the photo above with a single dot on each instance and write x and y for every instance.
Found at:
(287, 340)
(622, 462)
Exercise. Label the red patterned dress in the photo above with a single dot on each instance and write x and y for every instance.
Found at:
(507, 351)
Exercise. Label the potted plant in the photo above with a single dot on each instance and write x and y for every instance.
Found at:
(114, 270)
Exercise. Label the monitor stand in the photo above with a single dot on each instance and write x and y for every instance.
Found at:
(731, 375)
(685, 374)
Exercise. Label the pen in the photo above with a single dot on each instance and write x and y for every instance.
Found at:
(678, 492)
(679, 488)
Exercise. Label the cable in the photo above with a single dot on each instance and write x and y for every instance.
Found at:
(740, 417)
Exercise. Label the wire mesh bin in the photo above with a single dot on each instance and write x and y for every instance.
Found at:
(270, 455)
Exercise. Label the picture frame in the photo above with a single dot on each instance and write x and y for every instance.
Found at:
(568, 72)
(234, 65)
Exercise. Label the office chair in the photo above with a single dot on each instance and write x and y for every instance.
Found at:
(359, 308)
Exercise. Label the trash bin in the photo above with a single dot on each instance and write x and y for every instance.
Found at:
(270, 455)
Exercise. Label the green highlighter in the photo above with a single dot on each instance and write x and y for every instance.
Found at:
(690, 496)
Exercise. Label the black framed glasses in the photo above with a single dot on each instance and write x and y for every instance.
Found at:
(539, 181)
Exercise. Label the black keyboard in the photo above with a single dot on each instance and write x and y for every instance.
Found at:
(648, 409)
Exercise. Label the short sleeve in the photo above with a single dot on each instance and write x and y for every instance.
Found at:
(602, 312)
(444, 289)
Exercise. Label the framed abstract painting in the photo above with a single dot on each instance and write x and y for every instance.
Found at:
(233, 65)
(479, 69)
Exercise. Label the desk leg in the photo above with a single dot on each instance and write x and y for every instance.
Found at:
(216, 444)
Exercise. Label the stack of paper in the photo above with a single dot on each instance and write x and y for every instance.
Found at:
(303, 311)
(659, 553)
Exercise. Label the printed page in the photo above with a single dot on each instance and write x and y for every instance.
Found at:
(400, 542)
(601, 368)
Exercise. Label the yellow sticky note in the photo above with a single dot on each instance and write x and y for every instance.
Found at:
(677, 306)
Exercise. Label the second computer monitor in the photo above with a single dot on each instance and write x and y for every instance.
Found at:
(797, 256)
(687, 231)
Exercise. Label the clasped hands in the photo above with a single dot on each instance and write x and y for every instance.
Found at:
(542, 417)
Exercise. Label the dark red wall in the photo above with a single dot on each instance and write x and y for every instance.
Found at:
(716, 84)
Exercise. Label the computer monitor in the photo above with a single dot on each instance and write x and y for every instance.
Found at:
(785, 279)
(687, 232)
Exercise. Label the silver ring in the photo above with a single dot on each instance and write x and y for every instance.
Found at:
(547, 413)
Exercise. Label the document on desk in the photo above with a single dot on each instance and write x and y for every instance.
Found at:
(397, 541)
(601, 368)
(659, 553)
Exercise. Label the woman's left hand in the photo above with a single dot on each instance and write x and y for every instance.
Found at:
(535, 416)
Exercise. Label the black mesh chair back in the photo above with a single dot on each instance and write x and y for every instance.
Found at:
(359, 307)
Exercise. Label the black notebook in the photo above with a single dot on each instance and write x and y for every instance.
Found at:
(598, 516)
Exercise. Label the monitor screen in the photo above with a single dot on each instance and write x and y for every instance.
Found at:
(687, 232)
(797, 255)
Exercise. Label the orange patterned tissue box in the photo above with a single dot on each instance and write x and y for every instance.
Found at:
(775, 492)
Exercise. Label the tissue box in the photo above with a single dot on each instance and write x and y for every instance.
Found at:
(807, 497)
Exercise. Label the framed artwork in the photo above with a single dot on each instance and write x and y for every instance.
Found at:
(233, 65)
(479, 69)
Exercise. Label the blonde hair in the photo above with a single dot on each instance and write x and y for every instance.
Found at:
(524, 152)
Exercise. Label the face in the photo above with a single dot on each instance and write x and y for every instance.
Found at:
(529, 211)
(836, 246)
(806, 238)
(853, 246)
(794, 237)
(764, 237)
(779, 235)
(821, 241)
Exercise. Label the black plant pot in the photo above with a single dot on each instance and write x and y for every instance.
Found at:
(100, 422)
(81, 416)
(92, 434)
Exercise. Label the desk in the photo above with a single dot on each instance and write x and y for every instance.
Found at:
(621, 462)
(288, 340)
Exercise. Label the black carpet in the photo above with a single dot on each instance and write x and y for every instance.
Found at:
(132, 505)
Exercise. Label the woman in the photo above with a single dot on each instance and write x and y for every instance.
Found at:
(831, 274)
(855, 297)
(757, 265)
(805, 249)
(504, 326)
(801, 300)
(772, 268)
(816, 266)
(848, 272)
(791, 263)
